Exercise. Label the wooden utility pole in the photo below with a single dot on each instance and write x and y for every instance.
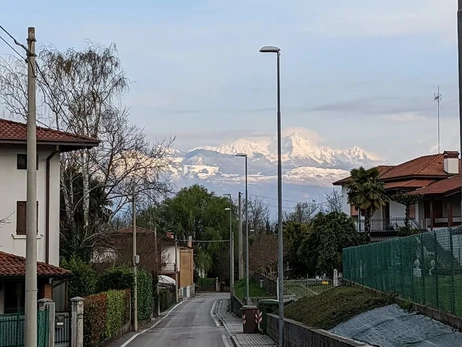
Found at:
(31, 204)
(158, 259)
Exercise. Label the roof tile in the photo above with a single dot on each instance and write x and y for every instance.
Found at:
(14, 266)
(16, 131)
(440, 187)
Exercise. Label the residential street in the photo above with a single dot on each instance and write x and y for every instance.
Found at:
(189, 325)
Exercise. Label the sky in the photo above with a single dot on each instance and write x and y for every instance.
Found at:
(357, 73)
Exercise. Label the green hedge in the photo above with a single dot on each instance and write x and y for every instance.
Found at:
(84, 280)
(122, 277)
(166, 299)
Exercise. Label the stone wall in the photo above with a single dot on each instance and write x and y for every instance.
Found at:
(299, 335)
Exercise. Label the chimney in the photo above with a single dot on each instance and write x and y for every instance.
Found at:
(190, 241)
(451, 162)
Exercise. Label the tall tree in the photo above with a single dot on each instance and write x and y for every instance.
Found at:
(258, 216)
(321, 248)
(80, 92)
(367, 193)
(333, 202)
(197, 212)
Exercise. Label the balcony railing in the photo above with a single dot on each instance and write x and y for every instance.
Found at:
(442, 222)
(388, 225)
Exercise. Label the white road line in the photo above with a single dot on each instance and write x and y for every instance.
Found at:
(212, 313)
(225, 340)
(143, 331)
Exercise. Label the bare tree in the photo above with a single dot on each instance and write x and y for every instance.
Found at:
(79, 92)
(303, 212)
(258, 216)
(333, 202)
(263, 255)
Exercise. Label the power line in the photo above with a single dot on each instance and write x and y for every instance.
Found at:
(14, 39)
(9, 45)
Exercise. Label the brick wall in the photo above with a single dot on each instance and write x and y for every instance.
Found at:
(48, 291)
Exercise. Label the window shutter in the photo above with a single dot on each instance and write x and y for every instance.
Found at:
(21, 218)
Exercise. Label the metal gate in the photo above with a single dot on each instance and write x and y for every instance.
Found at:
(63, 329)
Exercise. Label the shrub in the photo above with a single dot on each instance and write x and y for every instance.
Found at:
(83, 282)
(117, 300)
(120, 277)
(94, 321)
(145, 295)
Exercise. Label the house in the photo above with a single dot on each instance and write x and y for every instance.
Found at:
(12, 286)
(119, 251)
(13, 173)
(435, 178)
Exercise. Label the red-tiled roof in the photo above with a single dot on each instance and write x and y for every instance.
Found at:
(441, 187)
(16, 132)
(424, 167)
(428, 165)
(15, 266)
(412, 184)
(139, 230)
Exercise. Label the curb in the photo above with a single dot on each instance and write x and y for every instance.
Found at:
(232, 337)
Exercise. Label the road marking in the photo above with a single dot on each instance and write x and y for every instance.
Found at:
(143, 331)
(225, 340)
(212, 313)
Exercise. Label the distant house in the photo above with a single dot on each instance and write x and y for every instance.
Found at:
(119, 251)
(436, 177)
(13, 174)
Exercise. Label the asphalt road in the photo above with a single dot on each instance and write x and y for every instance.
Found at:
(189, 325)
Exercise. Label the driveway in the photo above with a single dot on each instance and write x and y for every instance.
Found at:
(191, 324)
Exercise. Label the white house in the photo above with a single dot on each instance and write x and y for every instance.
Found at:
(13, 178)
(434, 177)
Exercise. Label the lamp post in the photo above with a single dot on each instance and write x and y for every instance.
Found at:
(459, 41)
(243, 155)
(231, 246)
(277, 51)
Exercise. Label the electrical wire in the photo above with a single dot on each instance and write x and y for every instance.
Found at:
(9, 45)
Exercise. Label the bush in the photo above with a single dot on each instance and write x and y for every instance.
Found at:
(105, 314)
(122, 277)
(145, 295)
(166, 299)
(84, 281)
(94, 321)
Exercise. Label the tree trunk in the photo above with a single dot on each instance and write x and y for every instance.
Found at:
(406, 216)
(368, 225)
(85, 190)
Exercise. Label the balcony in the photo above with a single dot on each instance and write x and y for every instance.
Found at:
(389, 225)
(442, 222)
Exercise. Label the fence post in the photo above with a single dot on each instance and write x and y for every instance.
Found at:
(49, 306)
(77, 322)
(335, 281)
(453, 292)
(423, 268)
(435, 242)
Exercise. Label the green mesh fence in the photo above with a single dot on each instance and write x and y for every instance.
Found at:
(424, 268)
(12, 329)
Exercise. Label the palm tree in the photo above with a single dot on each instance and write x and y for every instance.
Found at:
(367, 193)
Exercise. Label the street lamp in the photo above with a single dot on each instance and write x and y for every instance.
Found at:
(243, 155)
(231, 246)
(277, 51)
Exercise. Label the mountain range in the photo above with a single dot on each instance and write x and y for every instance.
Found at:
(309, 168)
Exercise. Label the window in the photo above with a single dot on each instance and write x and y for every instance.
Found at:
(21, 162)
(21, 217)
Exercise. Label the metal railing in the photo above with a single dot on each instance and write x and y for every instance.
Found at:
(306, 287)
(388, 224)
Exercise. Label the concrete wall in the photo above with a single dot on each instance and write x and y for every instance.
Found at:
(299, 335)
(13, 188)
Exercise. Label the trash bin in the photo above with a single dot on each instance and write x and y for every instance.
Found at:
(266, 306)
(249, 319)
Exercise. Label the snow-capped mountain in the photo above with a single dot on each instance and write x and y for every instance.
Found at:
(307, 165)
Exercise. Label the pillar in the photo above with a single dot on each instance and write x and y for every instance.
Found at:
(49, 305)
(77, 322)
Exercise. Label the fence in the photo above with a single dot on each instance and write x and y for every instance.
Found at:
(12, 329)
(306, 287)
(268, 284)
(424, 268)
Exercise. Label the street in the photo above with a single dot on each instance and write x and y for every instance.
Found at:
(189, 325)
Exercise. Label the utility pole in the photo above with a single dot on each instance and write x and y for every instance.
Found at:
(31, 204)
(158, 259)
(437, 98)
(135, 261)
(459, 42)
(240, 250)
(176, 269)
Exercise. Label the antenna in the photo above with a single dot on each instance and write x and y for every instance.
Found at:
(438, 97)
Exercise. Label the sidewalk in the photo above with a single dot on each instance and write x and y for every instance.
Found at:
(234, 327)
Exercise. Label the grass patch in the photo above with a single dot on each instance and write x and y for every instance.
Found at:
(254, 289)
(326, 310)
